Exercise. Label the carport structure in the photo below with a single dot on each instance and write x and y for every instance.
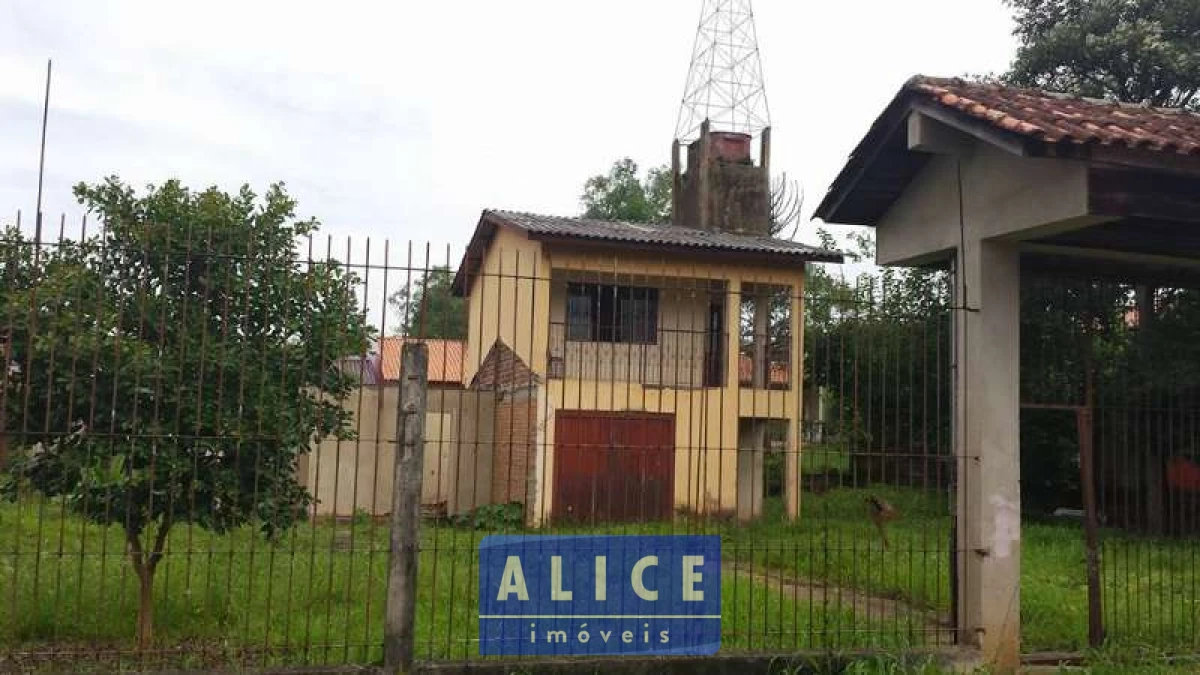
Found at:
(994, 182)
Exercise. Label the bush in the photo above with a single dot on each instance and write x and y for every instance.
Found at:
(509, 516)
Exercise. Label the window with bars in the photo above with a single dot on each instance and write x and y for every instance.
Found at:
(611, 313)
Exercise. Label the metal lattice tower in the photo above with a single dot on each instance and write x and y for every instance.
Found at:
(725, 80)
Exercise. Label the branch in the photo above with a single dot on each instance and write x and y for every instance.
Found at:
(160, 542)
(135, 551)
(142, 562)
(787, 199)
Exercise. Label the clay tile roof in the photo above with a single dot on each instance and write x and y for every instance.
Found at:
(1028, 122)
(445, 359)
(1060, 118)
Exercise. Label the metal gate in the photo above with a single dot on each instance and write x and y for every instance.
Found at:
(1110, 461)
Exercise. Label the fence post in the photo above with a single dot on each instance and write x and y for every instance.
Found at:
(399, 632)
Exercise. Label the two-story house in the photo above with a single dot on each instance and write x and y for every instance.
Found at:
(641, 369)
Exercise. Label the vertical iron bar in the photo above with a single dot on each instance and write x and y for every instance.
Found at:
(1091, 525)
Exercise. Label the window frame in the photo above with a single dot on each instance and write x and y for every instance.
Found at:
(612, 313)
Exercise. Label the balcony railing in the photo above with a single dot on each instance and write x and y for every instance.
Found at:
(677, 358)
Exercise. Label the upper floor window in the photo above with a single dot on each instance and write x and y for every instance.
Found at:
(610, 313)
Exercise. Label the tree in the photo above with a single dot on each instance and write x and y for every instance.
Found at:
(175, 366)
(623, 195)
(878, 346)
(433, 311)
(1133, 50)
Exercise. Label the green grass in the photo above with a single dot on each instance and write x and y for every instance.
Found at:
(316, 595)
(819, 457)
(1150, 590)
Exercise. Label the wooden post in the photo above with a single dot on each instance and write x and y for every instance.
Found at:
(399, 630)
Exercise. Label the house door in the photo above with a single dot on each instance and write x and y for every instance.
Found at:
(613, 467)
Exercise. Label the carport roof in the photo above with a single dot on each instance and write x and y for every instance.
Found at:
(1028, 122)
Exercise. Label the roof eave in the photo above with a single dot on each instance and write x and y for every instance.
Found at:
(473, 256)
(861, 159)
(910, 98)
(726, 253)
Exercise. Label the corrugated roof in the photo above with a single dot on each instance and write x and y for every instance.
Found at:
(445, 359)
(364, 369)
(643, 236)
(661, 235)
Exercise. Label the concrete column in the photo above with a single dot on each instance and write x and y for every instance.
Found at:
(733, 330)
(726, 445)
(676, 185)
(752, 446)
(791, 458)
(986, 434)
(761, 336)
(704, 181)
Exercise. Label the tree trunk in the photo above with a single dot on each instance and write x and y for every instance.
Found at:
(145, 620)
(145, 563)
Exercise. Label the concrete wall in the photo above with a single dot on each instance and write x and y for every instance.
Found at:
(718, 194)
(346, 476)
(706, 419)
(1005, 198)
(1003, 195)
(508, 301)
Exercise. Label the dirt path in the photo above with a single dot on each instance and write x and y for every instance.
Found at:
(871, 608)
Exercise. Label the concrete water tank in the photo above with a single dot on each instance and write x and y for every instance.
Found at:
(730, 146)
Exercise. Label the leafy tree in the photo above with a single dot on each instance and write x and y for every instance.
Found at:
(624, 195)
(878, 346)
(176, 365)
(1134, 50)
(433, 311)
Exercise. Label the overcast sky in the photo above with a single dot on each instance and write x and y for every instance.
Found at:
(403, 120)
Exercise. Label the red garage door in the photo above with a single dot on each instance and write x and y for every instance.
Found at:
(613, 467)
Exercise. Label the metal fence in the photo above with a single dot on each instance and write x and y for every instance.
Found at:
(200, 439)
(1110, 464)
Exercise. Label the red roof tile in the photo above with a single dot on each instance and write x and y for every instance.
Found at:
(1060, 118)
(445, 359)
(1027, 122)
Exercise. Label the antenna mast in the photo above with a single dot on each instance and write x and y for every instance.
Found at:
(42, 160)
(725, 81)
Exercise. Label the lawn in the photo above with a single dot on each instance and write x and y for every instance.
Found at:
(316, 594)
